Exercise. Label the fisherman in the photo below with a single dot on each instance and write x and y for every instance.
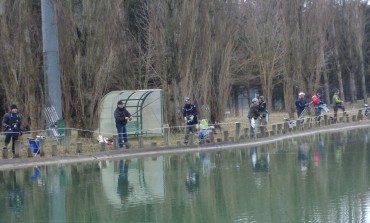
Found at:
(253, 115)
(338, 103)
(262, 109)
(12, 124)
(317, 103)
(121, 116)
(190, 115)
(301, 104)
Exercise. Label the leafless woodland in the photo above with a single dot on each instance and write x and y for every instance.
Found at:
(204, 49)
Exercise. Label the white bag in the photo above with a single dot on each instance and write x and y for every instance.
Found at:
(253, 123)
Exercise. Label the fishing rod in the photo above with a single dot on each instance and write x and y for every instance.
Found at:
(145, 106)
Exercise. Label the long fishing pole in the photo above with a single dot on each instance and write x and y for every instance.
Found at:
(145, 106)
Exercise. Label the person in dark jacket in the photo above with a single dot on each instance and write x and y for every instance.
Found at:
(262, 109)
(190, 114)
(253, 115)
(121, 116)
(12, 124)
(301, 104)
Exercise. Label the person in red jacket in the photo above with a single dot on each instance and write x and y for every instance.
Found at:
(316, 101)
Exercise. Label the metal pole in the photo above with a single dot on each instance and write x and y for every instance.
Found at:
(51, 55)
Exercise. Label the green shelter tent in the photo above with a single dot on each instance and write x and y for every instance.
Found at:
(146, 106)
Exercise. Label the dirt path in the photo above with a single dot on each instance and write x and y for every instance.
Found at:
(122, 154)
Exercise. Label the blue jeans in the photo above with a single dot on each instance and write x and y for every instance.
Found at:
(121, 130)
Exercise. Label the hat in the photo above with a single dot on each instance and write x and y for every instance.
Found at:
(13, 106)
(254, 100)
(120, 102)
(186, 99)
(261, 97)
(301, 93)
(366, 105)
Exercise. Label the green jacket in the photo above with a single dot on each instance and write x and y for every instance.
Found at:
(336, 100)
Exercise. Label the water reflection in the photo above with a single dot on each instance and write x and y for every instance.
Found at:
(319, 152)
(123, 183)
(133, 181)
(15, 198)
(36, 176)
(260, 162)
(304, 156)
(224, 186)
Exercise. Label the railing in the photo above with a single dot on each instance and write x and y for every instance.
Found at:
(71, 144)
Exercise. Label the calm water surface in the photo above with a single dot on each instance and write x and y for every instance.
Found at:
(320, 178)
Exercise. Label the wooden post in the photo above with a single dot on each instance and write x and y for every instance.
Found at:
(178, 143)
(279, 128)
(191, 139)
(219, 140)
(286, 128)
(298, 124)
(353, 118)
(347, 119)
(54, 150)
(79, 146)
(246, 132)
(5, 153)
(274, 130)
(226, 136)
(263, 130)
(102, 146)
(115, 143)
(359, 115)
(326, 119)
(154, 144)
(17, 148)
(42, 147)
(166, 136)
(141, 141)
(237, 131)
(30, 152)
(211, 137)
(67, 139)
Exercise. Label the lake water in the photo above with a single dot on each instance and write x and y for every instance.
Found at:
(320, 178)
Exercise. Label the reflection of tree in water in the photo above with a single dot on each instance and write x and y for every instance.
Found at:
(15, 201)
(260, 162)
(123, 188)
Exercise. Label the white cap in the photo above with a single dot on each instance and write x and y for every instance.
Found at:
(301, 93)
(254, 100)
(366, 105)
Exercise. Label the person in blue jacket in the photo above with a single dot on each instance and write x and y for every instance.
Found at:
(12, 124)
(121, 116)
(190, 114)
(301, 104)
